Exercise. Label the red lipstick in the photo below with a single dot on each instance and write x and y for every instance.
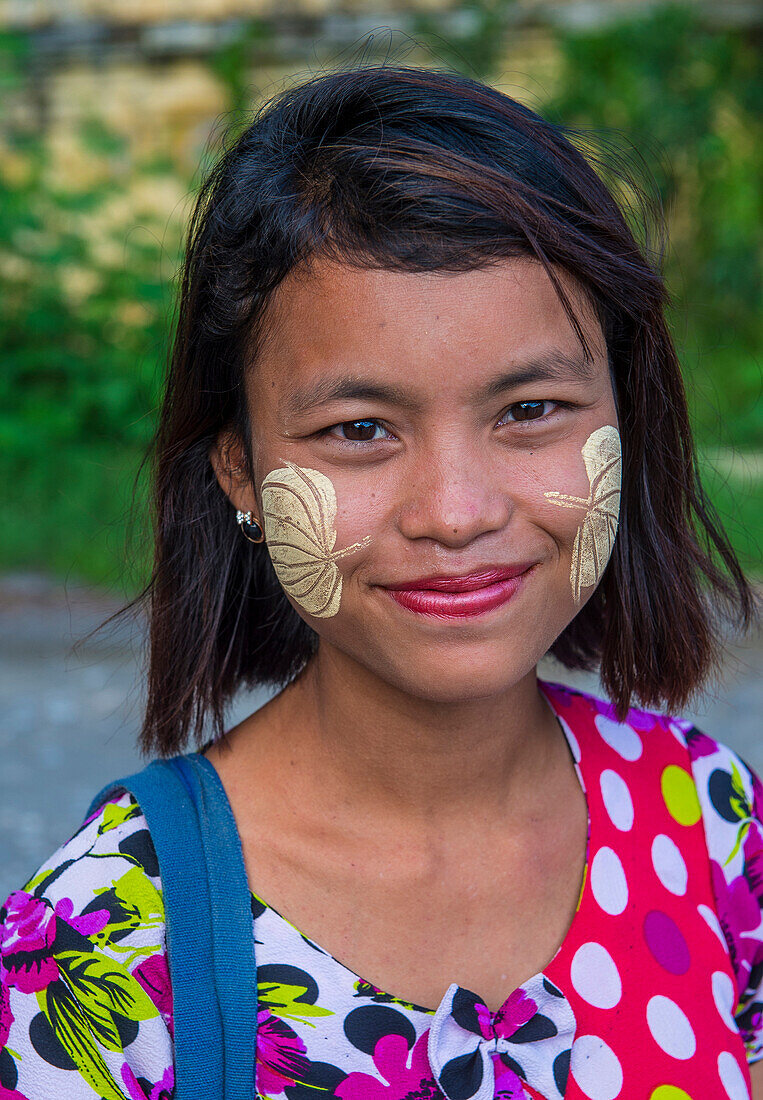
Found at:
(463, 596)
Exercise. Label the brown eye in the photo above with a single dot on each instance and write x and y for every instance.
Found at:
(528, 410)
(358, 431)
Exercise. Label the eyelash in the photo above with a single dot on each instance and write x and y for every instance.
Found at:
(325, 432)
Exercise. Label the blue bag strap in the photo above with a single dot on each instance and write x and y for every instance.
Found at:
(210, 942)
(235, 972)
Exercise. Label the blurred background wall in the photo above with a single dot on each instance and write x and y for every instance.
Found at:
(110, 113)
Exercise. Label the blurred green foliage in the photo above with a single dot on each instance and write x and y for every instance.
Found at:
(86, 305)
(479, 43)
(230, 62)
(676, 105)
(78, 387)
(688, 100)
(83, 331)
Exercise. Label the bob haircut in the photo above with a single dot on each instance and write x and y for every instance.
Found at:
(414, 170)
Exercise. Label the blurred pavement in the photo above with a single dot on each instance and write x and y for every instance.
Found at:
(68, 720)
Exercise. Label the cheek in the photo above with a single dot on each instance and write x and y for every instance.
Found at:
(596, 509)
(530, 482)
(560, 524)
(299, 510)
(360, 513)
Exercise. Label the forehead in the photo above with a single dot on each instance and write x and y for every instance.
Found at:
(421, 330)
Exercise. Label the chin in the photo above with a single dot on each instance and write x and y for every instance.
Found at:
(465, 680)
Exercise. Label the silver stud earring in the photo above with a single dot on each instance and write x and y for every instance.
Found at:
(247, 525)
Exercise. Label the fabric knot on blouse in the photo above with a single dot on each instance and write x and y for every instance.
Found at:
(479, 1055)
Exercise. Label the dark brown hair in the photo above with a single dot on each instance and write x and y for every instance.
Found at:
(415, 170)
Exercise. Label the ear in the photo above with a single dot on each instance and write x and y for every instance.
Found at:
(228, 460)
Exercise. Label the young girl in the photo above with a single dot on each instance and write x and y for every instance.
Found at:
(424, 424)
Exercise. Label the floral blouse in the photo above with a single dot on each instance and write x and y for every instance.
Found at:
(656, 990)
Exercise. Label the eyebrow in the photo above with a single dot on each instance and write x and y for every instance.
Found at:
(550, 366)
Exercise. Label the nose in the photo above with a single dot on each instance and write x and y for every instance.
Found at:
(452, 496)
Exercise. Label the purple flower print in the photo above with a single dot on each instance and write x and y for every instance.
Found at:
(162, 1090)
(699, 744)
(130, 1082)
(404, 1082)
(153, 974)
(757, 796)
(6, 1019)
(88, 924)
(517, 1010)
(508, 1085)
(753, 875)
(281, 1055)
(753, 861)
(6, 1016)
(484, 1020)
(738, 912)
(750, 1022)
(26, 949)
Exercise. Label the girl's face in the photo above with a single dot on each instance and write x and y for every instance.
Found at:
(451, 416)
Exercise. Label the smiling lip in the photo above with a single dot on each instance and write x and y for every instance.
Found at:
(460, 596)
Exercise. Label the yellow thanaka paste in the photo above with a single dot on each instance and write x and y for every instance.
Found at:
(298, 512)
(595, 536)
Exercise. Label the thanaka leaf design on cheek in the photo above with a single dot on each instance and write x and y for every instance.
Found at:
(299, 510)
(595, 536)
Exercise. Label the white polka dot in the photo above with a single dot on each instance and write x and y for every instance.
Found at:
(596, 1069)
(732, 1077)
(712, 921)
(669, 865)
(595, 976)
(617, 800)
(670, 1028)
(724, 997)
(623, 739)
(608, 882)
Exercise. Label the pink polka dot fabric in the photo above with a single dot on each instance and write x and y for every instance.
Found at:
(644, 966)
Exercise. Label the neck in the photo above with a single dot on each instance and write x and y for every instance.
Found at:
(363, 743)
